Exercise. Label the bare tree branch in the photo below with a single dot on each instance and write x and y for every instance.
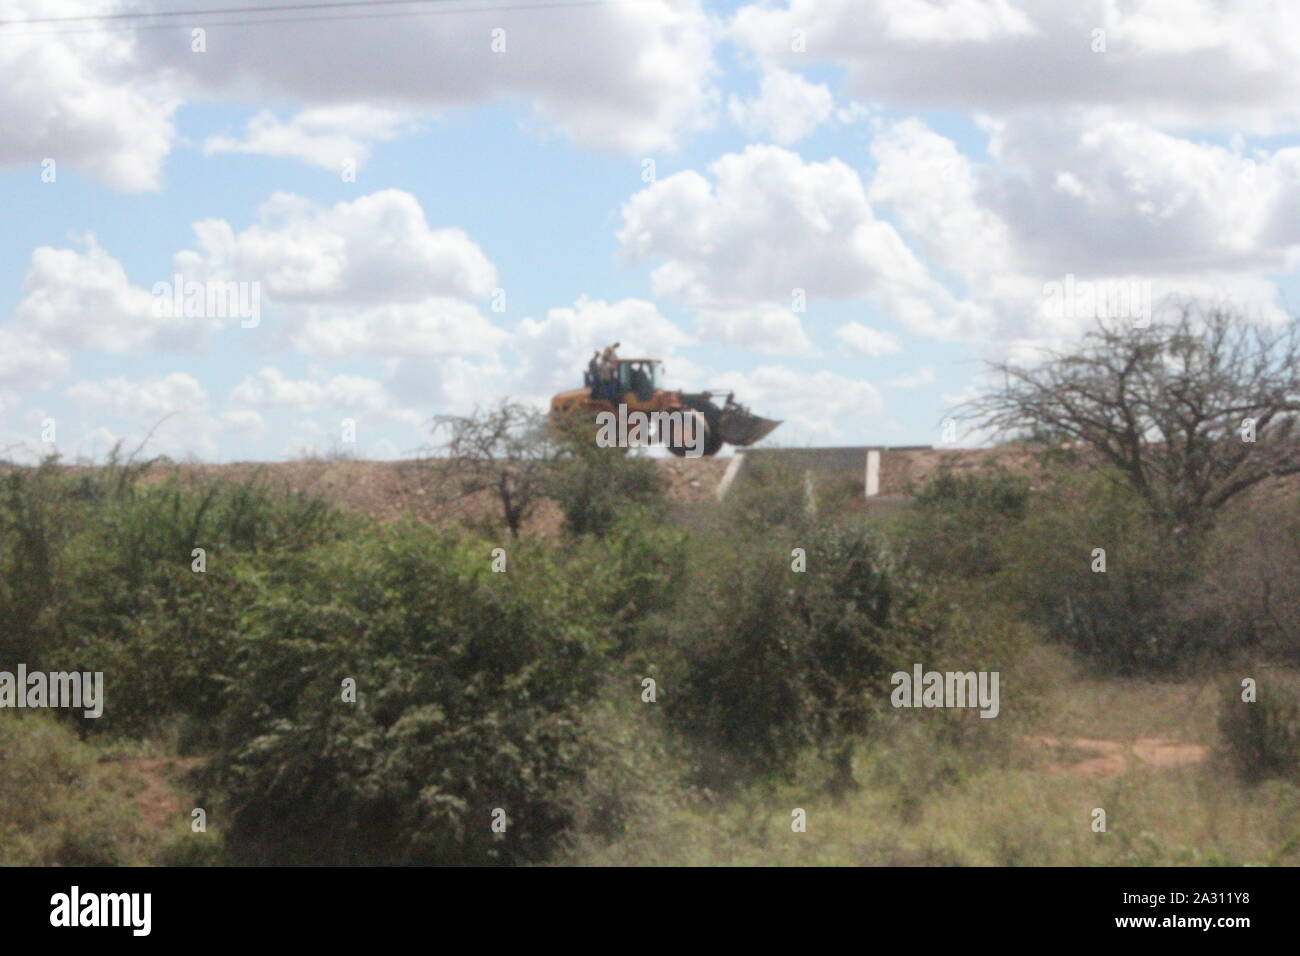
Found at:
(1169, 406)
(507, 450)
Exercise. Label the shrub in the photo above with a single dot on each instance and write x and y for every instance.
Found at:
(1126, 619)
(771, 662)
(638, 568)
(1250, 576)
(958, 524)
(470, 686)
(1262, 738)
(96, 574)
(768, 493)
(596, 485)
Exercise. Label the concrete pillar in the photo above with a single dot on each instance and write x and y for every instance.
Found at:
(729, 476)
(873, 472)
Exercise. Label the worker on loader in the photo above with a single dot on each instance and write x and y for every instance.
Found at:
(609, 372)
(593, 373)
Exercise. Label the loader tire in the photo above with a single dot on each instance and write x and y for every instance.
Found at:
(712, 440)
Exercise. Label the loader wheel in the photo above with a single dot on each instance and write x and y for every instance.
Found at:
(712, 440)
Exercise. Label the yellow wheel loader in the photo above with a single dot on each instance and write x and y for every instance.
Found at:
(633, 382)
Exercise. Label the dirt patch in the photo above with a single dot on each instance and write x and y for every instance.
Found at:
(906, 471)
(1108, 758)
(692, 479)
(155, 785)
(1157, 752)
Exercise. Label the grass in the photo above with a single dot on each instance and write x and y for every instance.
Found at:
(997, 818)
(1076, 703)
(925, 800)
(64, 802)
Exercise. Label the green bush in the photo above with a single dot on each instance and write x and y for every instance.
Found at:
(96, 574)
(475, 688)
(1262, 737)
(768, 493)
(1249, 577)
(470, 689)
(1131, 618)
(958, 524)
(637, 569)
(772, 662)
(595, 486)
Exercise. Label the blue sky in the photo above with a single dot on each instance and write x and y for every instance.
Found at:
(919, 170)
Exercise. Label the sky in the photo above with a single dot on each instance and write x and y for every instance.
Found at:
(839, 209)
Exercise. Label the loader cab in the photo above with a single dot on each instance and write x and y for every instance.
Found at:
(639, 376)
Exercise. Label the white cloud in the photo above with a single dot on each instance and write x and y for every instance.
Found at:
(431, 327)
(27, 361)
(314, 264)
(171, 394)
(771, 224)
(934, 190)
(820, 406)
(98, 442)
(244, 422)
(83, 300)
(925, 375)
(82, 100)
(166, 415)
(354, 394)
(787, 108)
(632, 77)
(1085, 196)
(451, 383)
(866, 341)
(269, 388)
(325, 136)
(1194, 64)
(765, 328)
(375, 249)
(181, 437)
(1140, 199)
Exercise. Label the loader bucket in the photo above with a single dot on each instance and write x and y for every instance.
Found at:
(739, 427)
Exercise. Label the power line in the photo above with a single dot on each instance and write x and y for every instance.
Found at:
(360, 14)
(157, 14)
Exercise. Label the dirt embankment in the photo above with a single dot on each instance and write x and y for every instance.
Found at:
(421, 489)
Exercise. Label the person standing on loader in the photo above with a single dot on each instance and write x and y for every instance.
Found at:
(609, 372)
(593, 373)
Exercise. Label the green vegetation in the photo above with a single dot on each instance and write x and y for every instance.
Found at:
(60, 806)
(775, 662)
(1262, 737)
(96, 575)
(766, 631)
(596, 486)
